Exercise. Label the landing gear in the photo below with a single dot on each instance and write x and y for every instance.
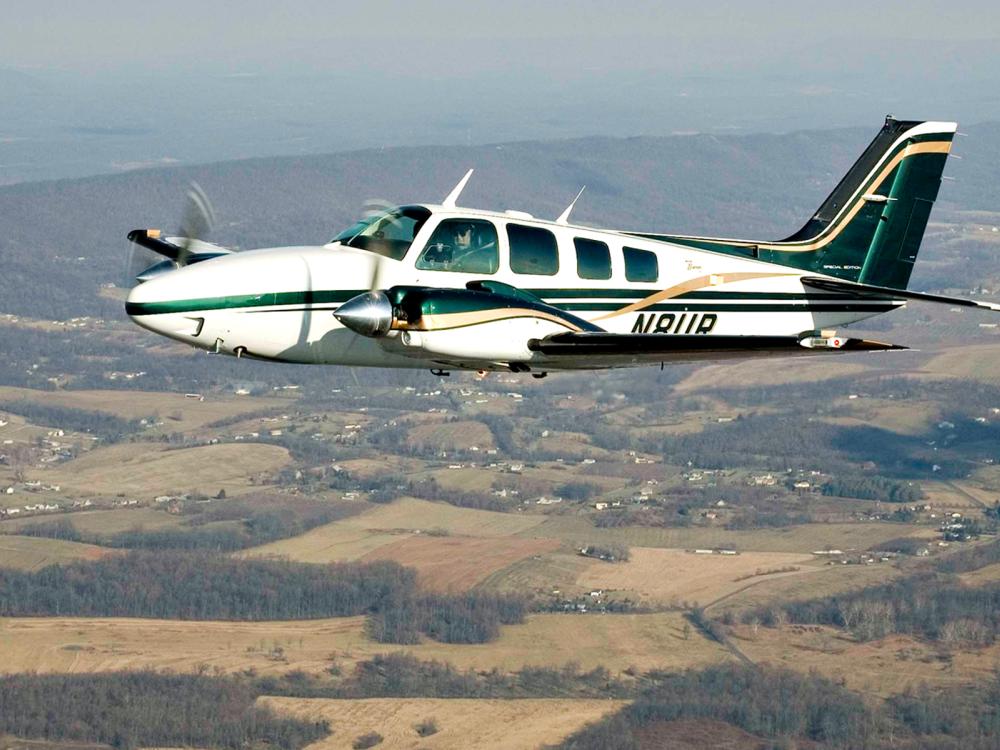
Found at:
(539, 375)
(440, 373)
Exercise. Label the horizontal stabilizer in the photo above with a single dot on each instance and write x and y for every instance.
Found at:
(867, 290)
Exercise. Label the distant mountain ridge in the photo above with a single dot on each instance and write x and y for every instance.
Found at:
(756, 186)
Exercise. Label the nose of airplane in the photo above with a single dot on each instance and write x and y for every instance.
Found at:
(164, 306)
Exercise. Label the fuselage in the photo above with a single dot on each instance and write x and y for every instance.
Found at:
(279, 303)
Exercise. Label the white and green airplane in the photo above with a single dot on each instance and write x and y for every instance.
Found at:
(444, 287)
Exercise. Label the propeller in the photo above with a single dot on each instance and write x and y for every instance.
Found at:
(151, 254)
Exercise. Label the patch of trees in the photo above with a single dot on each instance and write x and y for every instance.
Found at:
(429, 489)
(607, 551)
(926, 605)
(145, 709)
(955, 718)
(873, 488)
(203, 586)
(774, 703)
(970, 558)
(766, 518)
(581, 491)
(209, 586)
(789, 441)
(107, 427)
(402, 675)
(472, 617)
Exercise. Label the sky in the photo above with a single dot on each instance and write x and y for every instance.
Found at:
(107, 85)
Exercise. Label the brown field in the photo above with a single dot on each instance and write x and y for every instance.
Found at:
(147, 469)
(458, 563)
(178, 413)
(828, 580)
(790, 371)
(105, 521)
(555, 571)
(881, 667)
(980, 363)
(800, 539)
(32, 553)
(462, 723)
(359, 535)
(666, 576)
(452, 435)
(60, 644)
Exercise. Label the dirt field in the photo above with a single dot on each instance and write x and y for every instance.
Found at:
(58, 644)
(105, 521)
(664, 576)
(828, 580)
(359, 535)
(792, 371)
(458, 563)
(881, 667)
(973, 362)
(462, 724)
(452, 435)
(799, 539)
(179, 413)
(146, 469)
(32, 553)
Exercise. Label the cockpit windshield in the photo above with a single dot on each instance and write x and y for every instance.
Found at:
(389, 233)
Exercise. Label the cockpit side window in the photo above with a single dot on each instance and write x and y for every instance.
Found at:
(389, 233)
(462, 246)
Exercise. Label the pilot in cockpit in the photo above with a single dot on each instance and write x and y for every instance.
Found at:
(462, 246)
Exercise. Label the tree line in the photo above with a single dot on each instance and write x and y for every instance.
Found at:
(926, 605)
(210, 586)
(144, 709)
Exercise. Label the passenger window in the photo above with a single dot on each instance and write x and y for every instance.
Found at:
(532, 250)
(461, 246)
(593, 261)
(641, 265)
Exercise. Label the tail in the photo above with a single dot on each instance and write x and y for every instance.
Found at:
(869, 228)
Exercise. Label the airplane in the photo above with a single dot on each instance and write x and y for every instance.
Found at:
(444, 287)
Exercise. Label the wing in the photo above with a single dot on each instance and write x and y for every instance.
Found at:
(636, 348)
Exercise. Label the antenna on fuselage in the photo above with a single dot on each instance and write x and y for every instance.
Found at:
(449, 202)
(564, 216)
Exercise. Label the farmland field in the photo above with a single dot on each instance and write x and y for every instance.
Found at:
(461, 723)
(663, 576)
(32, 553)
(177, 412)
(61, 644)
(359, 535)
(106, 521)
(458, 563)
(797, 539)
(147, 469)
(452, 435)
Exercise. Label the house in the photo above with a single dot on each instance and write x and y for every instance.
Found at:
(600, 506)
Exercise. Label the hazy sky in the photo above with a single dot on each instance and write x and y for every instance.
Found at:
(103, 34)
(194, 81)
